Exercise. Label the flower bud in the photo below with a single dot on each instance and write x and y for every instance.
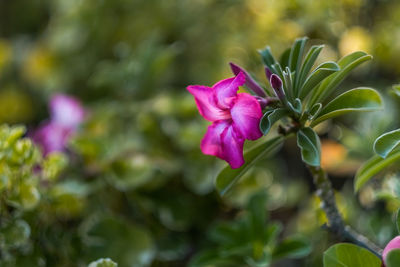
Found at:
(393, 244)
(268, 73)
(250, 83)
(276, 82)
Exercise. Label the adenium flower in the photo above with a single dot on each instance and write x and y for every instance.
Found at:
(66, 113)
(393, 244)
(234, 116)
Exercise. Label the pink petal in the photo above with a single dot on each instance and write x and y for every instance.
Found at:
(226, 90)
(393, 244)
(223, 141)
(246, 115)
(232, 147)
(211, 143)
(66, 111)
(51, 137)
(206, 105)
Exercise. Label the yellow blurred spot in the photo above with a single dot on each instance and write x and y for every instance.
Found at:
(355, 39)
(38, 65)
(332, 154)
(5, 53)
(15, 106)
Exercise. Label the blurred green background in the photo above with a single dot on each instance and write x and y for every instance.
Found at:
(135, 186)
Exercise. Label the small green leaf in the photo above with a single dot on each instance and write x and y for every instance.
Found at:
(308, 63)
(295, 247)
(349, 255)
(385, 143)
(396, 89)
(103, 263)
(317, 76)
(296, 107)
(398, 221)
(393, 258)
(227, 177)
(346, 64)
(310, 146)
(314, 111)
(267, 57)
(270, 117)
(373, 166)
(358, 99)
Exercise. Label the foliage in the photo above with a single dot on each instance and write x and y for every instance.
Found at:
(133, 185)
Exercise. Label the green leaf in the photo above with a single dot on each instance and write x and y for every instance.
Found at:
(295, 247)
(310, 146)
(296, 53)
(308, 63)
(295, 59)
(103, 263)
(285, 57)
(349, 255)
(386, 143)
(358, 99)
(270, 117)
(346, 64)
(267, 57)
(372, 167)
(317, 76)
(398, 221)
(393, 258)
(314, 111)
(287, 77)
(296, 107)
(228, 177)
(257, 215)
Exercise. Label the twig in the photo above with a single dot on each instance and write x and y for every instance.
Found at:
(335, 221)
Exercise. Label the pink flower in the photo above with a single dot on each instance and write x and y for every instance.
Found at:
(66, 113)
(234, 116)
(393, 244)
(51, 137)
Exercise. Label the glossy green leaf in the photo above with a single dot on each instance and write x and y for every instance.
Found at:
(386, 143)
(309, 143)
(349, 255)
(294, 247)
(346, 64)
(308, 63)
(228, 176)
(267, 57)
(398, 221)
(358, 99)
(317, 76)
(393, 258)
(270, 117)
(372, 167)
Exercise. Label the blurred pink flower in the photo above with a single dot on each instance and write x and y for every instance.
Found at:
(66, 113)
(393, 244)
(234, 116)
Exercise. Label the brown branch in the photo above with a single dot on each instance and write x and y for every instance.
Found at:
(335, 221)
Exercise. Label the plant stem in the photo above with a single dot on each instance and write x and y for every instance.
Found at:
(335, 221)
